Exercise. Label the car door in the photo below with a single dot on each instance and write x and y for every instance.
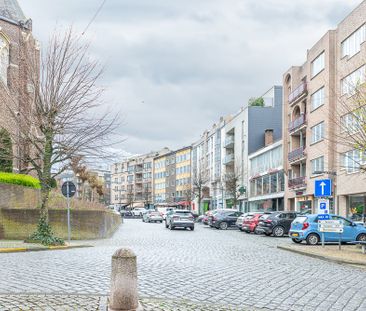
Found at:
(289, 218)
(231, 218)
(349, 231)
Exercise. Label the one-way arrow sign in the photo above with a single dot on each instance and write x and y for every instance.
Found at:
(323, 188)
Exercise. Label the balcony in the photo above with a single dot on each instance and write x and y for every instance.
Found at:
(297, 93)
(138, 180)
(298, 182)
(297, 123)
(138, 189)
(138, 170)
(296, 154)
(229, 159)
(229, 142)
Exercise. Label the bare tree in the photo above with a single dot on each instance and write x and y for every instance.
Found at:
(232, 182)
(146, 194)
(199, 183)
(66, 119)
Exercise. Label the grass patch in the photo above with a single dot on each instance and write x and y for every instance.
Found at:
(20, 179)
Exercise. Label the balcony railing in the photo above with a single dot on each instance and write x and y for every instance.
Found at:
(229, 142)
(297, 182)
(138, 180)
(300, 90)
(296, 154)
(293, 125)
(229, 159)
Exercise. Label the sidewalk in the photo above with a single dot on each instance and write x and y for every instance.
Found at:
(99, 303)
(20, 246)
(349, 254)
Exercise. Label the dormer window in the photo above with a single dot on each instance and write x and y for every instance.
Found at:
(4, 59)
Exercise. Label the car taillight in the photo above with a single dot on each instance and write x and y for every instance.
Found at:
(268, 221)
(305, 225)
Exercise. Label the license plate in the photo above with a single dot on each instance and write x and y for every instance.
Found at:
(295, 234)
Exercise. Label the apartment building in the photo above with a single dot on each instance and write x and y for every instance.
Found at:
(266, 177)
(314, 94)
(207, 166)
(132, 180)
(243, 135)
(172, 178)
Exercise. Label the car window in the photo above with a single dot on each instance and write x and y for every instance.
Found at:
(346, 222)
(291, 215)
(300, 220)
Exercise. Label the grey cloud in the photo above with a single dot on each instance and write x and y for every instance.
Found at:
(174, 67)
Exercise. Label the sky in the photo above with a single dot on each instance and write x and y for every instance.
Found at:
(173, 67)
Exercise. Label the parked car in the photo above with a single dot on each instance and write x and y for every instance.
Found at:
(138, 211)
(162, 211)
(206, 216)
(179, 219)
(224, 219)
(305, 228)
(152, 216)
(239, 221)
(250, 222)
(276, 223)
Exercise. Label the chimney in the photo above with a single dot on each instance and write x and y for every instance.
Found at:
(268, 137)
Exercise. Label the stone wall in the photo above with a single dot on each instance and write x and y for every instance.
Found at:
(13, 196)
(18, 224)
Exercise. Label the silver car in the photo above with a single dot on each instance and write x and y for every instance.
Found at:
(152, 216)
(179, 219)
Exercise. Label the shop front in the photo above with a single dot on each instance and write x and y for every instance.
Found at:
(267, 205)
(356, 207)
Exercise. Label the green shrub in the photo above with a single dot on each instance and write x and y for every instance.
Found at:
(19, 179)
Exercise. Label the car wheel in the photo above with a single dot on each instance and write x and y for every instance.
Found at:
(241, 229)
(223, 225)
(278, 231)
(161, 221)
(361, 237)
(192, 228)
(171, 227)
(143, 220)
(297, 241)
(312, 239)
(166, 225)
(247, 231)
(267, 234)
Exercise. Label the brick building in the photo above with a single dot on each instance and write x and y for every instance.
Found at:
(312, 114)
(17, 48)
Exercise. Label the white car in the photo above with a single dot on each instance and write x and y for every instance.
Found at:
(162, 211)
(138, 211)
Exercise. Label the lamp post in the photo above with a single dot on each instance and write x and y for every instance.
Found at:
(333, 175)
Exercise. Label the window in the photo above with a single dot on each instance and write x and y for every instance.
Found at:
(317, 132)
(351, 122)
(350, 83)
(4, 59)
(317, 99)
(317, 165)
(317, 65)
(352, 160)
(352, 45)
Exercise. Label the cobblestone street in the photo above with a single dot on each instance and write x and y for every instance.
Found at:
(206, 267)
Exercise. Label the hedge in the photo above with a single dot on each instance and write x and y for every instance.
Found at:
(19, 179)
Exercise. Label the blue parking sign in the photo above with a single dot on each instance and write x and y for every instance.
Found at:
(323, 188)
(323, 217)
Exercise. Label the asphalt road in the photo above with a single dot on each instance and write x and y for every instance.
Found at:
(229, 268)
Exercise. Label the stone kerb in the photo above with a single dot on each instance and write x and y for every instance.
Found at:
(124, 292)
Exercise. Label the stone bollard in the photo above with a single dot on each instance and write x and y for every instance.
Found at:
(124, 295)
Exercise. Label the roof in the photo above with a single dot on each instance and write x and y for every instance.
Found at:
(11, 11)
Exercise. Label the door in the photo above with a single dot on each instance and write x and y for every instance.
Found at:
(290, 217)
(349, 231)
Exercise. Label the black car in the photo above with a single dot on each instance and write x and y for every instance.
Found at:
(276, 223)
(224, 219)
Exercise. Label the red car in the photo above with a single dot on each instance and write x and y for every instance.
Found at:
(250, 222)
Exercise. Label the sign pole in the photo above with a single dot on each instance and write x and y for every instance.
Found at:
(323, 245)
(68, 212)
(340, 243)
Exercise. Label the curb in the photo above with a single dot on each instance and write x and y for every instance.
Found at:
(39, 249)
(326, 258)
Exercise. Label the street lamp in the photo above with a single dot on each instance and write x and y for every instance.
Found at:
(333, 175)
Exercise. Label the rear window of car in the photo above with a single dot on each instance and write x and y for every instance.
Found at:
(185, 213)
(265, 216)
(300, 219)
